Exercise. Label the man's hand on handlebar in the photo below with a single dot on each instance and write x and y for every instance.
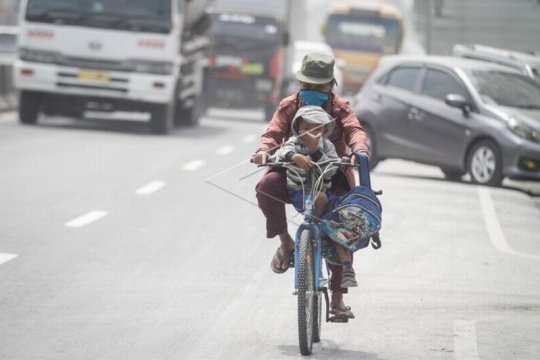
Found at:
(259, 158)
(354, 159)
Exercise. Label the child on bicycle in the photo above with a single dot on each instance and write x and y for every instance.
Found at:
(309, 144)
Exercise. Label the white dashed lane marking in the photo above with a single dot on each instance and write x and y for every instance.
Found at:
(193, 165)
(150, 188)
(224, 150)
(86, 219)
(4, 258)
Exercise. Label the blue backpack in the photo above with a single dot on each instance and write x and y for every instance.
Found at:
(354, 219)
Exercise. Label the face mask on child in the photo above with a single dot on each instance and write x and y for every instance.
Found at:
(313, 97)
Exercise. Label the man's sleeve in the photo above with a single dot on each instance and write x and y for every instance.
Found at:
(276, 131)
(354, 133)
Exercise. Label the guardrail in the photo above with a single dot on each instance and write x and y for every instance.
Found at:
(8, 95)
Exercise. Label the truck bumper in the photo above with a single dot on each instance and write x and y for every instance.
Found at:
(72, 81)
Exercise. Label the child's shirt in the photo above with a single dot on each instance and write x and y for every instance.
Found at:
(297, 176)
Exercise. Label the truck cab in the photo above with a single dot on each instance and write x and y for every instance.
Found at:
(106, 55)
(248, 53)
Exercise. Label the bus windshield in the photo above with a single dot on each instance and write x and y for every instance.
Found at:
(135, 15)
(363, 33)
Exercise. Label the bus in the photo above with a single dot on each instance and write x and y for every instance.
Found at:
(360, 32)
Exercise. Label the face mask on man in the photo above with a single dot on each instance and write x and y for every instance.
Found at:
(314, 97)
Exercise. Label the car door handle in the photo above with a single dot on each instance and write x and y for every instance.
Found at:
(413, 114)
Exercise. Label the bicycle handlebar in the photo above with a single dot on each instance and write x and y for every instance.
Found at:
(344, 161)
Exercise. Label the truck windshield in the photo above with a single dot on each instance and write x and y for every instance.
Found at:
(231, 27)
(133, 15)
(368, 34)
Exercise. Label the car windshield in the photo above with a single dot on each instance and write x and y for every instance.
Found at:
(506, 88)
(233, 28)
(135, 15)
(369, 34)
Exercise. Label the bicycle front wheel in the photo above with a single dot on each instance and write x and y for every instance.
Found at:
(307, 295)
(317, 315)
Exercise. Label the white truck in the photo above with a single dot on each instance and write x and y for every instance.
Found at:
(112, 55)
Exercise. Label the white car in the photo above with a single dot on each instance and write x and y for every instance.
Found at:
(299, 49)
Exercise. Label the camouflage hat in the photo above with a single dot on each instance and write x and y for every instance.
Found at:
(316, 69)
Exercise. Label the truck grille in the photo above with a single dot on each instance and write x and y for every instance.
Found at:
(94, 64)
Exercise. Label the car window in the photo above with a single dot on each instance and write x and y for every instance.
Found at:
(438, 84)
(404, 77)
(506, 88)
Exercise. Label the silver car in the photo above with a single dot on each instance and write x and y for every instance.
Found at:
(458, 114)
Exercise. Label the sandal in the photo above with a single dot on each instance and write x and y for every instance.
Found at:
(281, 258)
(343, 312)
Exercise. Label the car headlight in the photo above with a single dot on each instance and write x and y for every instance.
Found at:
(41, 56)
(524, 131)
(151, 67)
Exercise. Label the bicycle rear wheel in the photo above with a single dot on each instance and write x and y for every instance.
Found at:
(307, 296)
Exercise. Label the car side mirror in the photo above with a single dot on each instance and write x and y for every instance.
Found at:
(458, 101)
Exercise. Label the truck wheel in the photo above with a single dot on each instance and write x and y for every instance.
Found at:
(29, 107)
(188, 116)
(161, 121)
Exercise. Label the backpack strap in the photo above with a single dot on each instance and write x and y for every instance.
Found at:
(363, 169)
(376, 241)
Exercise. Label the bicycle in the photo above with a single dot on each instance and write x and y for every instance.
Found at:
(307, 261)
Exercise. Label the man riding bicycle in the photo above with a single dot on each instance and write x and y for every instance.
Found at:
(316, 78)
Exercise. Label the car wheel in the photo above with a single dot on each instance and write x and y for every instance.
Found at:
(484, 163)
(453, 174)
(373, 160)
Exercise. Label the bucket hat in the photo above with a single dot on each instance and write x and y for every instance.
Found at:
(316, 69)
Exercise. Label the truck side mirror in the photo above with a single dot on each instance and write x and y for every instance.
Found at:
(202, 25)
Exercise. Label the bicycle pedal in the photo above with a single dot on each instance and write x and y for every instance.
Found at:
(338, 319)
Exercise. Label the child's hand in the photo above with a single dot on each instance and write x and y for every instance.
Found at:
(302, 161)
